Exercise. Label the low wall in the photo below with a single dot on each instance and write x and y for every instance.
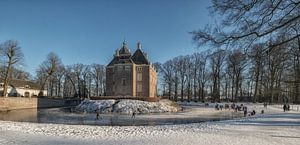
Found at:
(8, 103)
(13, 103)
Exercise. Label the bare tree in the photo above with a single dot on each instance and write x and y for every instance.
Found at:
(98, 72)
(167, 70)
(217, 59)
(58, 76)
(12, 56)
(175, 68)
(203, 73)
(47, 69)
(236, 63)
(275, 66)
(69, 82)
(245, 22)
(256, 55)
(295, 63)
(182, 68)
(189, 76)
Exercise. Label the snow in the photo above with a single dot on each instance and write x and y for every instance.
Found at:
(93, 105)
(273, 128)
(126, 106)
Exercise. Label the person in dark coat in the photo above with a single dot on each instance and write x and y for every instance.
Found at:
(97, 113)
(245, 112)
(253, 113)
(284, 108)
(133, 114)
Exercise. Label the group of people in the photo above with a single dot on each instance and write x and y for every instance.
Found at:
(246, 113)
(227, 106)
(286, 107)
(237, 108)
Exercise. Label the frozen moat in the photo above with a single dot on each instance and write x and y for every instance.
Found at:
(189, 114)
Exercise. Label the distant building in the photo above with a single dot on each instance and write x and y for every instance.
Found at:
(21, 88)
(131, 74)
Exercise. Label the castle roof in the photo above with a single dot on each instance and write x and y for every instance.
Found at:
(139, 57)
(124, 56)
(124, 50)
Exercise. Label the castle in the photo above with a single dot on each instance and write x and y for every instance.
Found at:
(131, 74)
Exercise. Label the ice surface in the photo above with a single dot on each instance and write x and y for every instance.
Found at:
(273, 128)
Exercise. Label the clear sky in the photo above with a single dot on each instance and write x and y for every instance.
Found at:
(89, 31)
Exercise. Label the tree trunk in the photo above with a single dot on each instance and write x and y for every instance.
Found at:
(176, 89)
(182, 85)
(232, 89)
(236, 85)
(41, 93)
(8, 71)
(170, 90)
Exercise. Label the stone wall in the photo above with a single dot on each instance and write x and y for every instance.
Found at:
(9, 103)
(13, 103)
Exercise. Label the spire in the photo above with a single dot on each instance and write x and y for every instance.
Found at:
(124, 43)
(139, 45)
(124, 50)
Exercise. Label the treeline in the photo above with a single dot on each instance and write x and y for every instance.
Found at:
(257, 74)
(266, 65)
(77, 80)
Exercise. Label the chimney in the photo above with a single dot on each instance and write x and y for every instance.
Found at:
(139, 45)
(117, 52)
(146, 55)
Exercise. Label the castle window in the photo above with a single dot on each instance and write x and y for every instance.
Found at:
(127, 68)
(139, 88)
(123, 81)
(27, 86)
(120, 68)
(139, 69)
(139, 77)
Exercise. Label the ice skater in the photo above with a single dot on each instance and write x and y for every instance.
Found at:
(97, 113)
(245, 113)
(133, 114)
(284, 107)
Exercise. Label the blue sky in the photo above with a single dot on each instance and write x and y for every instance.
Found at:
(89, 31)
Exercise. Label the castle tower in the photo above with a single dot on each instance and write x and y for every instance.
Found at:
(131, 74)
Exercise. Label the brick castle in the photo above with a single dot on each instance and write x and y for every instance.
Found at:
(131, 74)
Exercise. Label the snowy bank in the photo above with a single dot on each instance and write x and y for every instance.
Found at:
(126, 106)
(270, 129)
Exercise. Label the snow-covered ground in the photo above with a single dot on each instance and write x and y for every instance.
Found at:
(272, 128)
(126, 106)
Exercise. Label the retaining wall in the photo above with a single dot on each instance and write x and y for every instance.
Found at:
(13, 103)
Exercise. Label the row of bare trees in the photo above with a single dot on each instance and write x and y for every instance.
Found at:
(234, 74)
(254, 74)
(11, 57)
(77, 80)
(267, 34)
